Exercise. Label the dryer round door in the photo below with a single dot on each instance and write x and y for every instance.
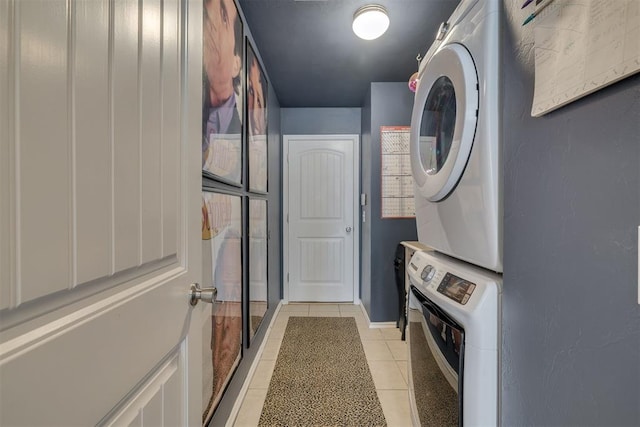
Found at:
(443, 122)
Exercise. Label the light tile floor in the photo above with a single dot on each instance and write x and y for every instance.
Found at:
(385, 352)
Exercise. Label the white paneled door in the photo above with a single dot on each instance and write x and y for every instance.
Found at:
(322, 226)
(100, 212)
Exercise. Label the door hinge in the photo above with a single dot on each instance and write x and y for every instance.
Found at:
(287, 277)
(287, 218)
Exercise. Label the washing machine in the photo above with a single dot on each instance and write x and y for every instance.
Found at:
(454, 342)
(455, 138)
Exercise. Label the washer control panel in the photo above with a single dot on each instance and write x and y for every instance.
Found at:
(425, 275)
(457, 289)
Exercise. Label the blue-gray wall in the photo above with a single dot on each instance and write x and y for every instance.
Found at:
(571, 319)
(386, 104)
(320, 121)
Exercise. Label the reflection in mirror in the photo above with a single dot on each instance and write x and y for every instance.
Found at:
(221, 268)
(257, 263)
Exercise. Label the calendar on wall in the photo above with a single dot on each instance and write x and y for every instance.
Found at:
(582, 46)
(396, 179)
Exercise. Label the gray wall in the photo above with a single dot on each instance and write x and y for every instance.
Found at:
(389, 104)
(571, 320)
(320, 121)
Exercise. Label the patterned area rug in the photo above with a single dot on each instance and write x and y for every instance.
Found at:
(321, 377)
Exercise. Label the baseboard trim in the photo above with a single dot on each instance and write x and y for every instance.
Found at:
(376, 325)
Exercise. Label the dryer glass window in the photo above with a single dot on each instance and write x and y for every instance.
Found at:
(437, 125)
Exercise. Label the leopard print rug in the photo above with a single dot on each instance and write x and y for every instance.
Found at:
(321, 377)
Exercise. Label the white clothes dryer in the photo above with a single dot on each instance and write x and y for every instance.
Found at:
(455, 138)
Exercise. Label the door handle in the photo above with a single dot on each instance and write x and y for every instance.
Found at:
(348, 229)
(205, 294)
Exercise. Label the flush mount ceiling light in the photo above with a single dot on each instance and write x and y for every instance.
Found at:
(370, 22)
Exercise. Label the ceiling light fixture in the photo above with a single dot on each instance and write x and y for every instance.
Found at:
(370, 22)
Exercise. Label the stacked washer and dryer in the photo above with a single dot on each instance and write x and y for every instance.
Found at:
(454, 298)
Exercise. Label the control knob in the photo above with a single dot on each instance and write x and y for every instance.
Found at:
(427, 273)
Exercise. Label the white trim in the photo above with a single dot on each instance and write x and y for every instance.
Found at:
(285, 218)
(356, 219)
(252, 370)
(382, 325)
(356, 210)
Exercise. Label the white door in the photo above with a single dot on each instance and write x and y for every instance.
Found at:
(100, 212)
(322, 226)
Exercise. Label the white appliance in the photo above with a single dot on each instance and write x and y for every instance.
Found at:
(453, 336)
(455, 138)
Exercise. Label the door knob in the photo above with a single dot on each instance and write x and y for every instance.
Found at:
(348, 229)
(205, 294)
